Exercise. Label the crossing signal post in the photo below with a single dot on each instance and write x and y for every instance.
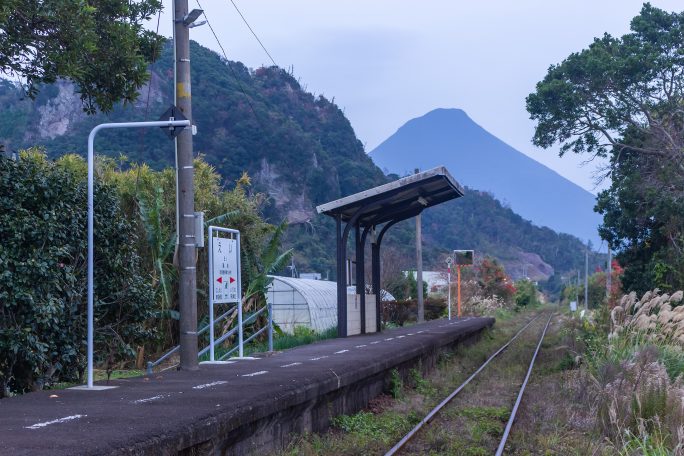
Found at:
(461, 258)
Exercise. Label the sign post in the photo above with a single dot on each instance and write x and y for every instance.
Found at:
(449, 261)
(224, 278)
(463, 258)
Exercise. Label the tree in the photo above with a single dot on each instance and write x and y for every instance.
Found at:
(100, 45)
(525, 293)
(621, 98)
(493, 280)
(589, 101)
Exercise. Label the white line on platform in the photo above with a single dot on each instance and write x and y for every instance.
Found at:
(291, 364)
(390, 338)
(58, 420)
(361, 346)
(320, 357)
(375, 342)
(400, 337)
(149, 399)
(209, 385)
(254, 374)
(409, 334)
(341, 351)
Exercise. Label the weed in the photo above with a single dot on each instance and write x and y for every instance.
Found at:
(421, 385)
(498, 413)
(378, 428)
(396, 384)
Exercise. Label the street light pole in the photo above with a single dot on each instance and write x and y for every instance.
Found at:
(187, 287)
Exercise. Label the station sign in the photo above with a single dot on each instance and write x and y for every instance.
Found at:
(225, 270)
(463, 257)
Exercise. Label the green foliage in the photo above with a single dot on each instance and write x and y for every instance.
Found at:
(101, 45)
(43, 278)
(396, 384)
(621, 98)
(525, 294)
(381, 428)
(148, 198)
(421, 384)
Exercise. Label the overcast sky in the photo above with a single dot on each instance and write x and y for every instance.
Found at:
(388, 61)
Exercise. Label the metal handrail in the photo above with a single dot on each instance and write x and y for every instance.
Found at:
(246, 341)
(151, 365)
(232, 331)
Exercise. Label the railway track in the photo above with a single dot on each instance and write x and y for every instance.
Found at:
(421, 426)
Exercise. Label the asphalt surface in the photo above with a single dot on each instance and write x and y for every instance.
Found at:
(176, 408)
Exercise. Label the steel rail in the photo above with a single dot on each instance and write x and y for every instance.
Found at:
(448, 399)
(509, 425)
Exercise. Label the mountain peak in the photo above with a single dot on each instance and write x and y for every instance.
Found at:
(480, 160)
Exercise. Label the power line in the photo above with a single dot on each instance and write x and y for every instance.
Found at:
(149, 89)
(225, 56)
(253, 32)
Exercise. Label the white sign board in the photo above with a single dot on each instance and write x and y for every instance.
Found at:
(573, 306)
(225, 274)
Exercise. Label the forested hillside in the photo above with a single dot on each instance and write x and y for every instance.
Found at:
(299, 149)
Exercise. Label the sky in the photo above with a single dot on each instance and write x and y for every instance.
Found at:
(385, 62)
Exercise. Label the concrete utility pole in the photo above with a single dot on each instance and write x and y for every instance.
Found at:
(586, 278)
(187, 288)
(419, 267)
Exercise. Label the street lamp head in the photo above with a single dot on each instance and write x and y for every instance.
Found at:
(191, 17)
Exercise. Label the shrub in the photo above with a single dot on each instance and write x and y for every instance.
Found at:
(43, 275)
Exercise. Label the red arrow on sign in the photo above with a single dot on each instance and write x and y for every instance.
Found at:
(232, 280)
(220, 280)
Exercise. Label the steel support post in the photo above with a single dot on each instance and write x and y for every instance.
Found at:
(341, 282)
(187, 288)
(375, 279)
(419, 270)
(360, 276)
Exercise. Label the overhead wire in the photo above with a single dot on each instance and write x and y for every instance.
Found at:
(149, 91)
(225, 56)
(253, 32)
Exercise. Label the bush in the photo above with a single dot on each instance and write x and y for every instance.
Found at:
(525, 294)
(43, 275)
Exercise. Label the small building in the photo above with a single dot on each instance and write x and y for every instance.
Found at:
(436, 281)
(310, 275)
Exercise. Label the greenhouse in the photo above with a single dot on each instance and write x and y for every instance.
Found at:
(303, 302)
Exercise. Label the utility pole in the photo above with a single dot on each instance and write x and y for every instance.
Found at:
(609, 276)
(187, 288)
(577, 289)
(419, 267)
(586, 278)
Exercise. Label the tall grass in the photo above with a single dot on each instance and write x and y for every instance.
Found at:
(638, 391)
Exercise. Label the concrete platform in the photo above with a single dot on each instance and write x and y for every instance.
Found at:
(249, 406)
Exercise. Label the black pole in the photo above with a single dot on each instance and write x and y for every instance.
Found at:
(360, 279)
(341, 282)
(375, 280)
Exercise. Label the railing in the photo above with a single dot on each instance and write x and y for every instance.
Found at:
(151, 365)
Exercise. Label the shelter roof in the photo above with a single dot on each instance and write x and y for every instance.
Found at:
(398, 200)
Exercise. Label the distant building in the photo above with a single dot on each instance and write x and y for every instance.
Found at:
(310, 275)
(436, 281)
